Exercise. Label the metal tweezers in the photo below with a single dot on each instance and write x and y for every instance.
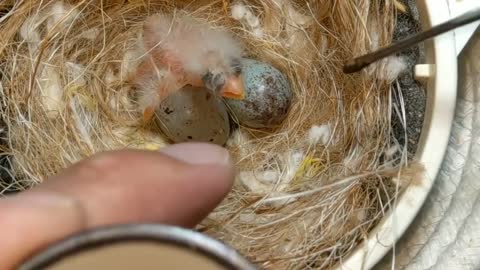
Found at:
(357, 64)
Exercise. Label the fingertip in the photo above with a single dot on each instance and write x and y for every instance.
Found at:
(213, 172)
(179, 185)
(197, 192)
(199, 153)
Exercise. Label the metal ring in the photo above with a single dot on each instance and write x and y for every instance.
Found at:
(164, 234)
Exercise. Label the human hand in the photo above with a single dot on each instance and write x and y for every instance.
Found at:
(179, 186)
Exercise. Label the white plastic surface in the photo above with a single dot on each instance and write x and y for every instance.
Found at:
(423, 72)
(441, 99)
(463, 34)
(445, 234)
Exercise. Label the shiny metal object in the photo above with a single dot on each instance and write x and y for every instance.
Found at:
(162, 234)
(363, 61)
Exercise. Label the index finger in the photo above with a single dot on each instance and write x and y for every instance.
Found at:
(117, 187)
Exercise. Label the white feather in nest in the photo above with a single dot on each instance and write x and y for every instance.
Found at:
(272, 182)
(49, 81)
(353, 159)
(116, 100)
(245, 15)
(239, 11)
(135, 138)
(295, 26)
(121, 102)
(389, 68)
(83, 120)
(319, 134)
(76, 73)
(51, 87)
(110, 78)
(392, 67)
(30, 34)
(132, 57)
(240, 140)
(61, 15)
(90, 34)
(392, 151)
(83, 112)
(294, 23)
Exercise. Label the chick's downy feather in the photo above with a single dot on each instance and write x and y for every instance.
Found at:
(180, 51)
(154, 83)
(185, 43)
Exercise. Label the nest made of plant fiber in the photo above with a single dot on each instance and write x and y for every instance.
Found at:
(307, 193)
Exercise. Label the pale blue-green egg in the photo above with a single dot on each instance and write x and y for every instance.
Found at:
(194, 114)
(268, 96)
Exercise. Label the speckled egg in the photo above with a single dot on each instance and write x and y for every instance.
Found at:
(194, 114)
(268, 96)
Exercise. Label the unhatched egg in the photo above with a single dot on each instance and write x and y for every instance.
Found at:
(194, 114)
(268, 96)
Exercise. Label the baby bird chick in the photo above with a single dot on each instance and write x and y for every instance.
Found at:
(182, 51)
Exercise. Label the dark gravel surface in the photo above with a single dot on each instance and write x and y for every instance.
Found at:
(413, 92)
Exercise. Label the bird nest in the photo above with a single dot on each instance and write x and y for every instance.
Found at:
(307, 192)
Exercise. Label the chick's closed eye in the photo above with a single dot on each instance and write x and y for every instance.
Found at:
(213, 81)
(236, 65)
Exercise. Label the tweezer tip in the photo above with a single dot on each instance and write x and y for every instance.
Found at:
(352, 66)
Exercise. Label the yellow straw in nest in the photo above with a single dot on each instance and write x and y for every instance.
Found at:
(309, 166)
(87, 100)
(400, 6)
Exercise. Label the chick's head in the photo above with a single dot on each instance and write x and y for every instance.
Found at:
(200, 51)
(223, 75)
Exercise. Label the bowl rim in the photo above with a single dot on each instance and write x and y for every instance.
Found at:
(441, 88)
(147, 233)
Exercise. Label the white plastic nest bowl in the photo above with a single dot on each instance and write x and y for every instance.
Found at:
(439, 74)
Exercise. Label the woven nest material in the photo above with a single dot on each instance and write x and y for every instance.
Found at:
(307, 192)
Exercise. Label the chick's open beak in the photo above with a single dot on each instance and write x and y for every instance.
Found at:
(233, 88)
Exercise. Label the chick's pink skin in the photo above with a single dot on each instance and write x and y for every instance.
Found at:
(154, 86)
(184, 50)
